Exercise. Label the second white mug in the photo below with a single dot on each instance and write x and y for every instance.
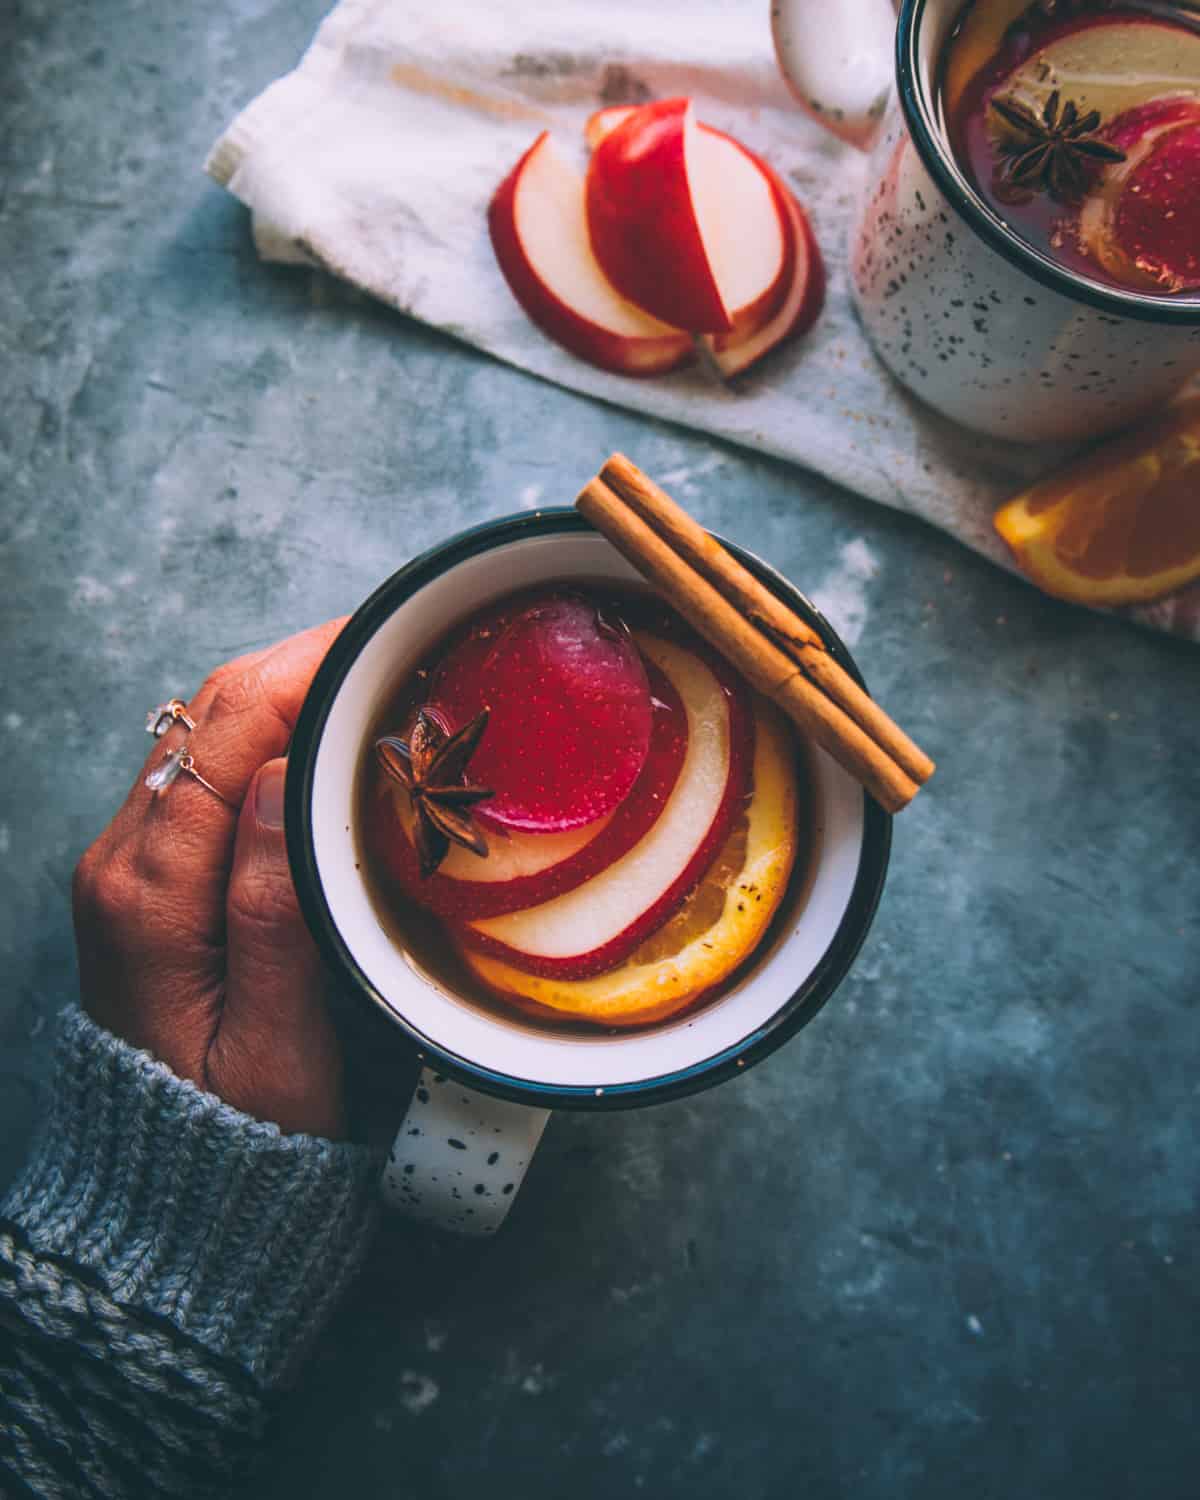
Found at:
(983, 326)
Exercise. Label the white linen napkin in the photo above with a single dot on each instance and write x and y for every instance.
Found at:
(377, 156)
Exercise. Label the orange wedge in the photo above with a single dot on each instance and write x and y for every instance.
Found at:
(1122, 524)
(716, 929)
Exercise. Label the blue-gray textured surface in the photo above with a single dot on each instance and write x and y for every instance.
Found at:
(946, 1240)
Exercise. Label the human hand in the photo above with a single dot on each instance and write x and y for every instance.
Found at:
(190, 940)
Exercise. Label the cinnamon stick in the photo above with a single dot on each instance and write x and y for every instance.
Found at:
(765, 610)
(762, 663)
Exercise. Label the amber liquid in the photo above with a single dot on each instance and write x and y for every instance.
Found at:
(420, 937)
(1087, 52)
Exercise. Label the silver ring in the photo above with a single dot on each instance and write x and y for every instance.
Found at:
(168, 769)
(173, 711)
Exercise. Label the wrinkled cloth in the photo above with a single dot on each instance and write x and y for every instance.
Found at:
(377, 156)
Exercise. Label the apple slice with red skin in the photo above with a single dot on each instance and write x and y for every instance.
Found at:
(801, 305)
(1142, 221)
(539, 233)
(763, 302)
(570, 711)
(599, 923)
(525, 869)
(765, 315)
(682, 221)
(1157, 220)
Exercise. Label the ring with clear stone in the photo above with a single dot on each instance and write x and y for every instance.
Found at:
(173, 711)
(168, 769)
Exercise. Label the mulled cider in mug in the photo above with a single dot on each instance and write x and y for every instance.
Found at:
(574, 810)
(1079, 124)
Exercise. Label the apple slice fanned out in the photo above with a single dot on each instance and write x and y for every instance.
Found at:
(786, 307)
(675, 969)
(525, 869)
(679, 233)
(539, 233)
(599, 923)
(795, 314)
(682, 221)
(764, 300)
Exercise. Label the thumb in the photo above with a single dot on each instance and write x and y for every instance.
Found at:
(276, 1054)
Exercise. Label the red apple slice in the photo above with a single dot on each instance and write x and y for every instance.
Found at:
(801, 305)
(747, 318)
(1142, 221)
(539, 233)
(682, 220)
(524, 869)
(570, 711)
(602, 921)
(1157, 220)
(754, 316)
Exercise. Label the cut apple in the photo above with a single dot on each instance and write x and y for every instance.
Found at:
(722, 923)
(682, 220)
(764, 301)
(599, 923)
(524, 869)
(570, 710)
(683, 228)
(801, 304)
(1142, 222)
(539, 232)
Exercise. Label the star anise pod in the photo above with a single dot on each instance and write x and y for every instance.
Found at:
(1052, 150)
(431, 765)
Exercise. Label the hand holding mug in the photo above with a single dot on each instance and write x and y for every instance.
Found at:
(191, 944)
(491, 1072)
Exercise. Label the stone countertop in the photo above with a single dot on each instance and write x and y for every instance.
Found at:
(946, 1240)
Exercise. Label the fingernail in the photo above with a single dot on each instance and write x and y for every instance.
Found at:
(268, 798)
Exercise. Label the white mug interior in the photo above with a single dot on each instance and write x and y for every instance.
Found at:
(484, 1039)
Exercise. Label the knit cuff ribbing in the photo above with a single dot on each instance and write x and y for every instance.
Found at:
(190, 1210)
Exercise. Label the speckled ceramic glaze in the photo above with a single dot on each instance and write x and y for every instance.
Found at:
(982, 326)
(459, 1157)
(489, 1076)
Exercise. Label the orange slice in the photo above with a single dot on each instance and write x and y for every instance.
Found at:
(1122, 524)
(716, 929)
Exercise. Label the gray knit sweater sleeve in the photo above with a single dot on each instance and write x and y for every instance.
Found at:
(165, 1262)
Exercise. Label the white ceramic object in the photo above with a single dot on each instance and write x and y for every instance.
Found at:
(440, 1164)
(837, 60)
(979, 324)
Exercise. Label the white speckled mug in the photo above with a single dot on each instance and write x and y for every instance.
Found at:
(481, 1102)
(984, 327)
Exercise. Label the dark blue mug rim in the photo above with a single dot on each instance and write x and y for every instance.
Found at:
(794, 1014)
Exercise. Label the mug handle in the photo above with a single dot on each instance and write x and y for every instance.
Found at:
(459, 1157)
(838, 61)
